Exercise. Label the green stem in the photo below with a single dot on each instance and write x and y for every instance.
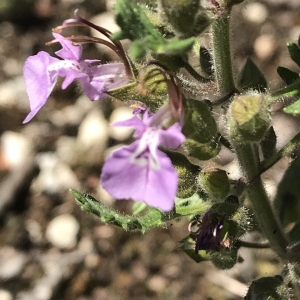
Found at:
(284, 151)
(258, 197)
(288, 91)
(222, 54)
(195, 74)
(254, 245)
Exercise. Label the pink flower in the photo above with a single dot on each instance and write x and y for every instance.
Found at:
(41, 72)
(141, 171)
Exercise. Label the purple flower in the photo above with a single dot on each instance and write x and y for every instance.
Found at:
(41, 72)
(141, 171)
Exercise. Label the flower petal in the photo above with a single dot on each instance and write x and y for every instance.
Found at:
(138, 181)
(68, 51)
(171, 138)
(39, 83)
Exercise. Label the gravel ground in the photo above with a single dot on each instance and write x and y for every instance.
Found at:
(49, 248)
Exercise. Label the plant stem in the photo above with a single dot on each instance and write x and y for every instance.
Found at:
(288, 91)
(222, 54)
(284, 151)
(258, 197)
(195, 74)
(254, 245)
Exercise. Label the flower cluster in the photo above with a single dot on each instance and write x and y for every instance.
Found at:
(140, 171)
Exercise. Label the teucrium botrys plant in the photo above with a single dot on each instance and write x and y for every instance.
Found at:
(177, 125)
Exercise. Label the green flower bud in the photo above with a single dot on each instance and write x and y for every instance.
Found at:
(181, 15)
(202, 151)
(199, 123)
(215, 183)
(244, 219)
(151, 90)
(249, 117)
(187, 173)
(225, 259)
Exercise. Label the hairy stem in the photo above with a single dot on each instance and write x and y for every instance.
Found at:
(284, 151)
(194, 73)
(222, 54)
(258, 197)
(254, 245)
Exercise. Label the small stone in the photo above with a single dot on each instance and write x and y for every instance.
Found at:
(120, 133)
(93, 131)
(62, 231)
(104, 231)
(255, 12)
(15, 148)
(34, 230)
(157, 283)
(5, 295)
(11, 262)
(55, 176)
(13, 93)
(264, 46)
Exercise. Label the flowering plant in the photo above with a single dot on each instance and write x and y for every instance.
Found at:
(176, 127)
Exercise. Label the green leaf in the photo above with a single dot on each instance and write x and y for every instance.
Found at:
(287, 200)
(138, 207)
(199, 123)
(202, 151)
(188, 246)
(268, 143)
(153, 218)
(294, 51)
(136, 26)
(192, 205)
(264, 289)
(251, 77)
(287, 75)
(294, 108)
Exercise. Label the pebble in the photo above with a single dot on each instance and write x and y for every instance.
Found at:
(92, 131)
(15, 148)
(55, 176)
(5, 295)
(255, 12)
(157, 283)
(120, 133)
(62, 231)
(11, 262)
(265, 46)
(13, 93)
(72, 114)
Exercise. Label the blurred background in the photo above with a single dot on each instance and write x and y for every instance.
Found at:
(49, 248)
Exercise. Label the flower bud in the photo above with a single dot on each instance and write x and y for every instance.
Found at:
(224, 259)
(199, 123)
(185, 17)
(249, 117)
(202, 151)
(215, 183)
(187, 174)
